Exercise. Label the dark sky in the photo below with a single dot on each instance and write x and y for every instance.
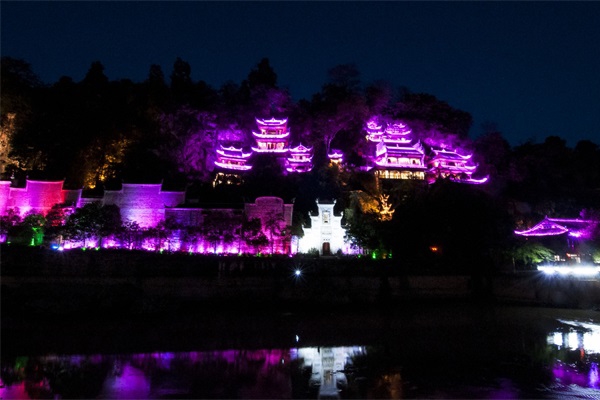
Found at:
(531, 67)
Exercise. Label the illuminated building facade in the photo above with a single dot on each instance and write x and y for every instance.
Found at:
(396, 155)
(300, 159)
(563, 235)
(448, 164)
(232, 159)
(272, 137)
(231, 163)
(143, 203)
(575, 228)
(326, 233)
(36, 197)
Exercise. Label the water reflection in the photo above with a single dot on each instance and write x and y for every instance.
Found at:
(566, 364)
(577, 346)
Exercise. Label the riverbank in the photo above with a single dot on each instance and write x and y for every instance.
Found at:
(46, 282)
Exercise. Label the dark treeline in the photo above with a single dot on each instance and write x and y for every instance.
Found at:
(97, 133)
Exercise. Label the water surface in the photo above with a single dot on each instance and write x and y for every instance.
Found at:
(449, 351)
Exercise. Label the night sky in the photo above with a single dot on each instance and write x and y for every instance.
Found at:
(533, 68)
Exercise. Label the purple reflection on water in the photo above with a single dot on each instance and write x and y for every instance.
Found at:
(126, 382)
(566, 374)
(593, 376)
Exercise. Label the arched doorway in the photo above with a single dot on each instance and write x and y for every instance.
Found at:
(326, 249)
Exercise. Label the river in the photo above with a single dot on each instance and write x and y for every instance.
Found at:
(417, 351)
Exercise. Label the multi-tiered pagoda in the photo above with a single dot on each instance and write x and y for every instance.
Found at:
(273, 136)
(300, 159)
(397, 156)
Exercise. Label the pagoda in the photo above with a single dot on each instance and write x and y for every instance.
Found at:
(231, 162)
(231, 158)
(396, 155)
(575, 228)
(445, 163)
(300, 159)
(272, 137)
(335, 157)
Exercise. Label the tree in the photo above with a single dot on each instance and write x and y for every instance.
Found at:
(426, 112)
(55, 223)
(18, 83)
(19, 110)
(29, 231)
(130, 234)
(93, 221)
(273, 224)
(339, 108)
(531, 253)
(181, 81)
(189, 139)
(7, 221)
(252, 234)
(493, 158)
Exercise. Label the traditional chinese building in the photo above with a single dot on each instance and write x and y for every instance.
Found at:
(300, 159)
(326, 233)
(272, 137)
(563, 234)
(336, 157)
(231, 163)
(447, 163)
(397, 156)
(232, 159)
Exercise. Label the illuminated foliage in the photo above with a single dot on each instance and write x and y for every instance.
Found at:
(104, 160)
(532, 253)
(29, 231)
(189, 139)
(7, 131)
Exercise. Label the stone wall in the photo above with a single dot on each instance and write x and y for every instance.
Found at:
(36, 197)
(143, 203)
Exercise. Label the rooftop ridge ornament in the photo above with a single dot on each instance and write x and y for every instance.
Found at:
(544, 228)
(335, 153)
(232, 152)
(300, 149)
(272, 121)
